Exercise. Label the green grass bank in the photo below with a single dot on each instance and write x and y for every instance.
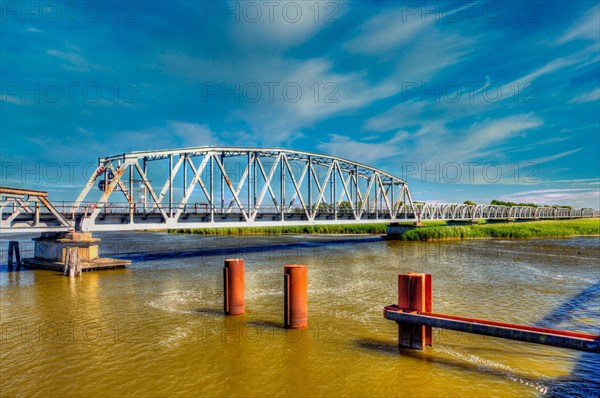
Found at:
(433, 230)
(307, 229)
(521, 230)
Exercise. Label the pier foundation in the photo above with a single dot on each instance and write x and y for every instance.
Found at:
(463, 223)
(396, 230)
(52, 252)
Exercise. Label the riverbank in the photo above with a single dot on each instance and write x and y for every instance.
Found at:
(521, 230)
(432, 230)
(305, 229)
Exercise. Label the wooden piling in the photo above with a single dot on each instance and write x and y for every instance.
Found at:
(72, 263)
(14, 252)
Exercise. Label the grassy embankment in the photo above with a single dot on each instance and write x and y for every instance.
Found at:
(534, 229)
(433, 230)
(305, 229)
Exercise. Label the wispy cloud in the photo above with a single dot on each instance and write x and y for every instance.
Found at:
(74, 61)
(593, 95)
(556, 156)
(573, 197)
(363, 150)
(586, 27)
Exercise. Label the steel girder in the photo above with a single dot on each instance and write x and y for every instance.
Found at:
(455, 211)
(316, 186)
(25, 209)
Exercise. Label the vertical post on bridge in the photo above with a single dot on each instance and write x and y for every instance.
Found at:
(222, 184)
(131, 203)
(414, 295)
(212, 189)
(233, 284)
(170, 186)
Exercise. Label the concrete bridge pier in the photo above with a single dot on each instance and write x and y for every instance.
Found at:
(52, 252)
(396, 230)
(458, 223)
(499, 220)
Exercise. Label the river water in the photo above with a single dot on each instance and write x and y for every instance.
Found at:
(156, 328)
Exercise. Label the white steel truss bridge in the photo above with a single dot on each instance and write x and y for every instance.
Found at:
(212, 187)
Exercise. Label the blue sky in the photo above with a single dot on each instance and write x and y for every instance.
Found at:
(479, 101)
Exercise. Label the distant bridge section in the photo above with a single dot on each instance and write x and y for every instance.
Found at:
(212, 187)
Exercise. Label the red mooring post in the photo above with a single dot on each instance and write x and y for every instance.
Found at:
(414, 294)
(233, 284)
(295, 288)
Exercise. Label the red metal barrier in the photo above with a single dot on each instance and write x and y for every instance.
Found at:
(295, 296)
(414, 294)
(415, 320)
(233, 283)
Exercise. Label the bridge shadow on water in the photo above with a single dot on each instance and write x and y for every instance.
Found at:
(584, 379)
(237, 250)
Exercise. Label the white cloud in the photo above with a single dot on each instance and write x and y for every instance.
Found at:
(573, 197)
(589, 181)
(75, 61)
(192, 134)
(479, 141)
(385, 31)
(586, 27)
(280, 25)
(550, 158)
(11, 99)
(433, 144)
(593, 95)
(393, 28)
(366, 152)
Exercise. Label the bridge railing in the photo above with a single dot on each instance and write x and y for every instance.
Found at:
(67, 208)
(426, 211)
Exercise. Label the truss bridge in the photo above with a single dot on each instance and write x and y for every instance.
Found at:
(212, 187)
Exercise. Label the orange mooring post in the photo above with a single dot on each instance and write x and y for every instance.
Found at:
(295, 287)
(414, 294)
(233, 283)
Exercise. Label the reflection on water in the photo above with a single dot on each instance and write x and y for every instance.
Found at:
(156, 328)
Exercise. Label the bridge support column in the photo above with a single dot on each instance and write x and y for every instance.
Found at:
(295, 300)
(396, 230)
(457, 223)
(52, 248)
(499, 220)
(233, 284)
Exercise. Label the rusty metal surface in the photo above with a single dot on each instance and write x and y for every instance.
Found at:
(530, 334)
(19, 191)
(295, 296)
(233, 283)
